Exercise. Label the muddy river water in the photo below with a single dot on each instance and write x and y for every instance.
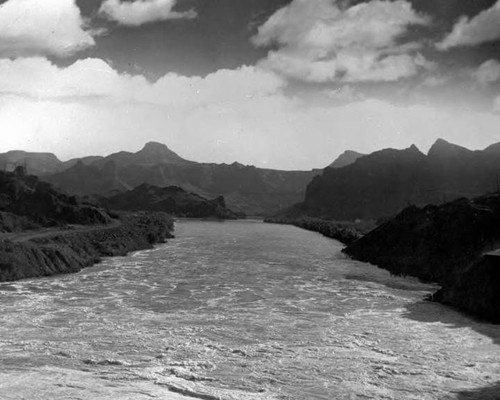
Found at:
(239, 310)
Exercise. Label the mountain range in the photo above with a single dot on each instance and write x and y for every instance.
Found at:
(247, 189)
(40, 164)
(383, 183)
(354, 186)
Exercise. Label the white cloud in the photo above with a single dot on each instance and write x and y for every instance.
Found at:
(243, 114)
(481, 28)
(42, 27)
(223, 86)
(320, 41)
(488, 72)
(93, 77)
(139, 12)
(39, 78)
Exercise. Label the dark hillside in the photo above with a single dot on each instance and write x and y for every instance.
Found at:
(172, 200)
(446, 244)
(25, 196)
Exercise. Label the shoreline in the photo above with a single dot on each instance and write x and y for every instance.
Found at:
(468, 282)
(68, 251)
(452, 244)
(346, 233)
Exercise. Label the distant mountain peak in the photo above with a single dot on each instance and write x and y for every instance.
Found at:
(155, 146)
(414, 151)
(154, 152)
(441, 148)
(348, 157)
(409, 153)
(21, 154)
(35, 163)
(441, 141)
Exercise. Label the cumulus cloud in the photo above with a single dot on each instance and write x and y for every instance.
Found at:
(321, 41)
(488, 72)
(39, 78)
(48, 27)
(139, 12)
(93, 77)
(484, 27)
(242, 114)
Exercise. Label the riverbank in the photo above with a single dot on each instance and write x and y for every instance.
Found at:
(345, 232)
(51, 252)
(449, 244)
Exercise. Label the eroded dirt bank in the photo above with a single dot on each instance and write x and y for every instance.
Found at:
(56, 252)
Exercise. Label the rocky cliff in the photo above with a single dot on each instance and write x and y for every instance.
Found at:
(446, 244)
(381, 184)
(475, 290)
(25, 196)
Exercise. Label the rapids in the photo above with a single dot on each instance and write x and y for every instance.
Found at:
(239, 310)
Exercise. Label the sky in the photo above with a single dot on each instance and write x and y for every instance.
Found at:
(284, 84)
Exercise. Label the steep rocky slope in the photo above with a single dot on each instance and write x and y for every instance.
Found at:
(446, 244)
(25, 196)
(348, 157)
(173, 200)
(475, 290)
(375, 185)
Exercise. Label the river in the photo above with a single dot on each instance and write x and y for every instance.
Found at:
(239, 310)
